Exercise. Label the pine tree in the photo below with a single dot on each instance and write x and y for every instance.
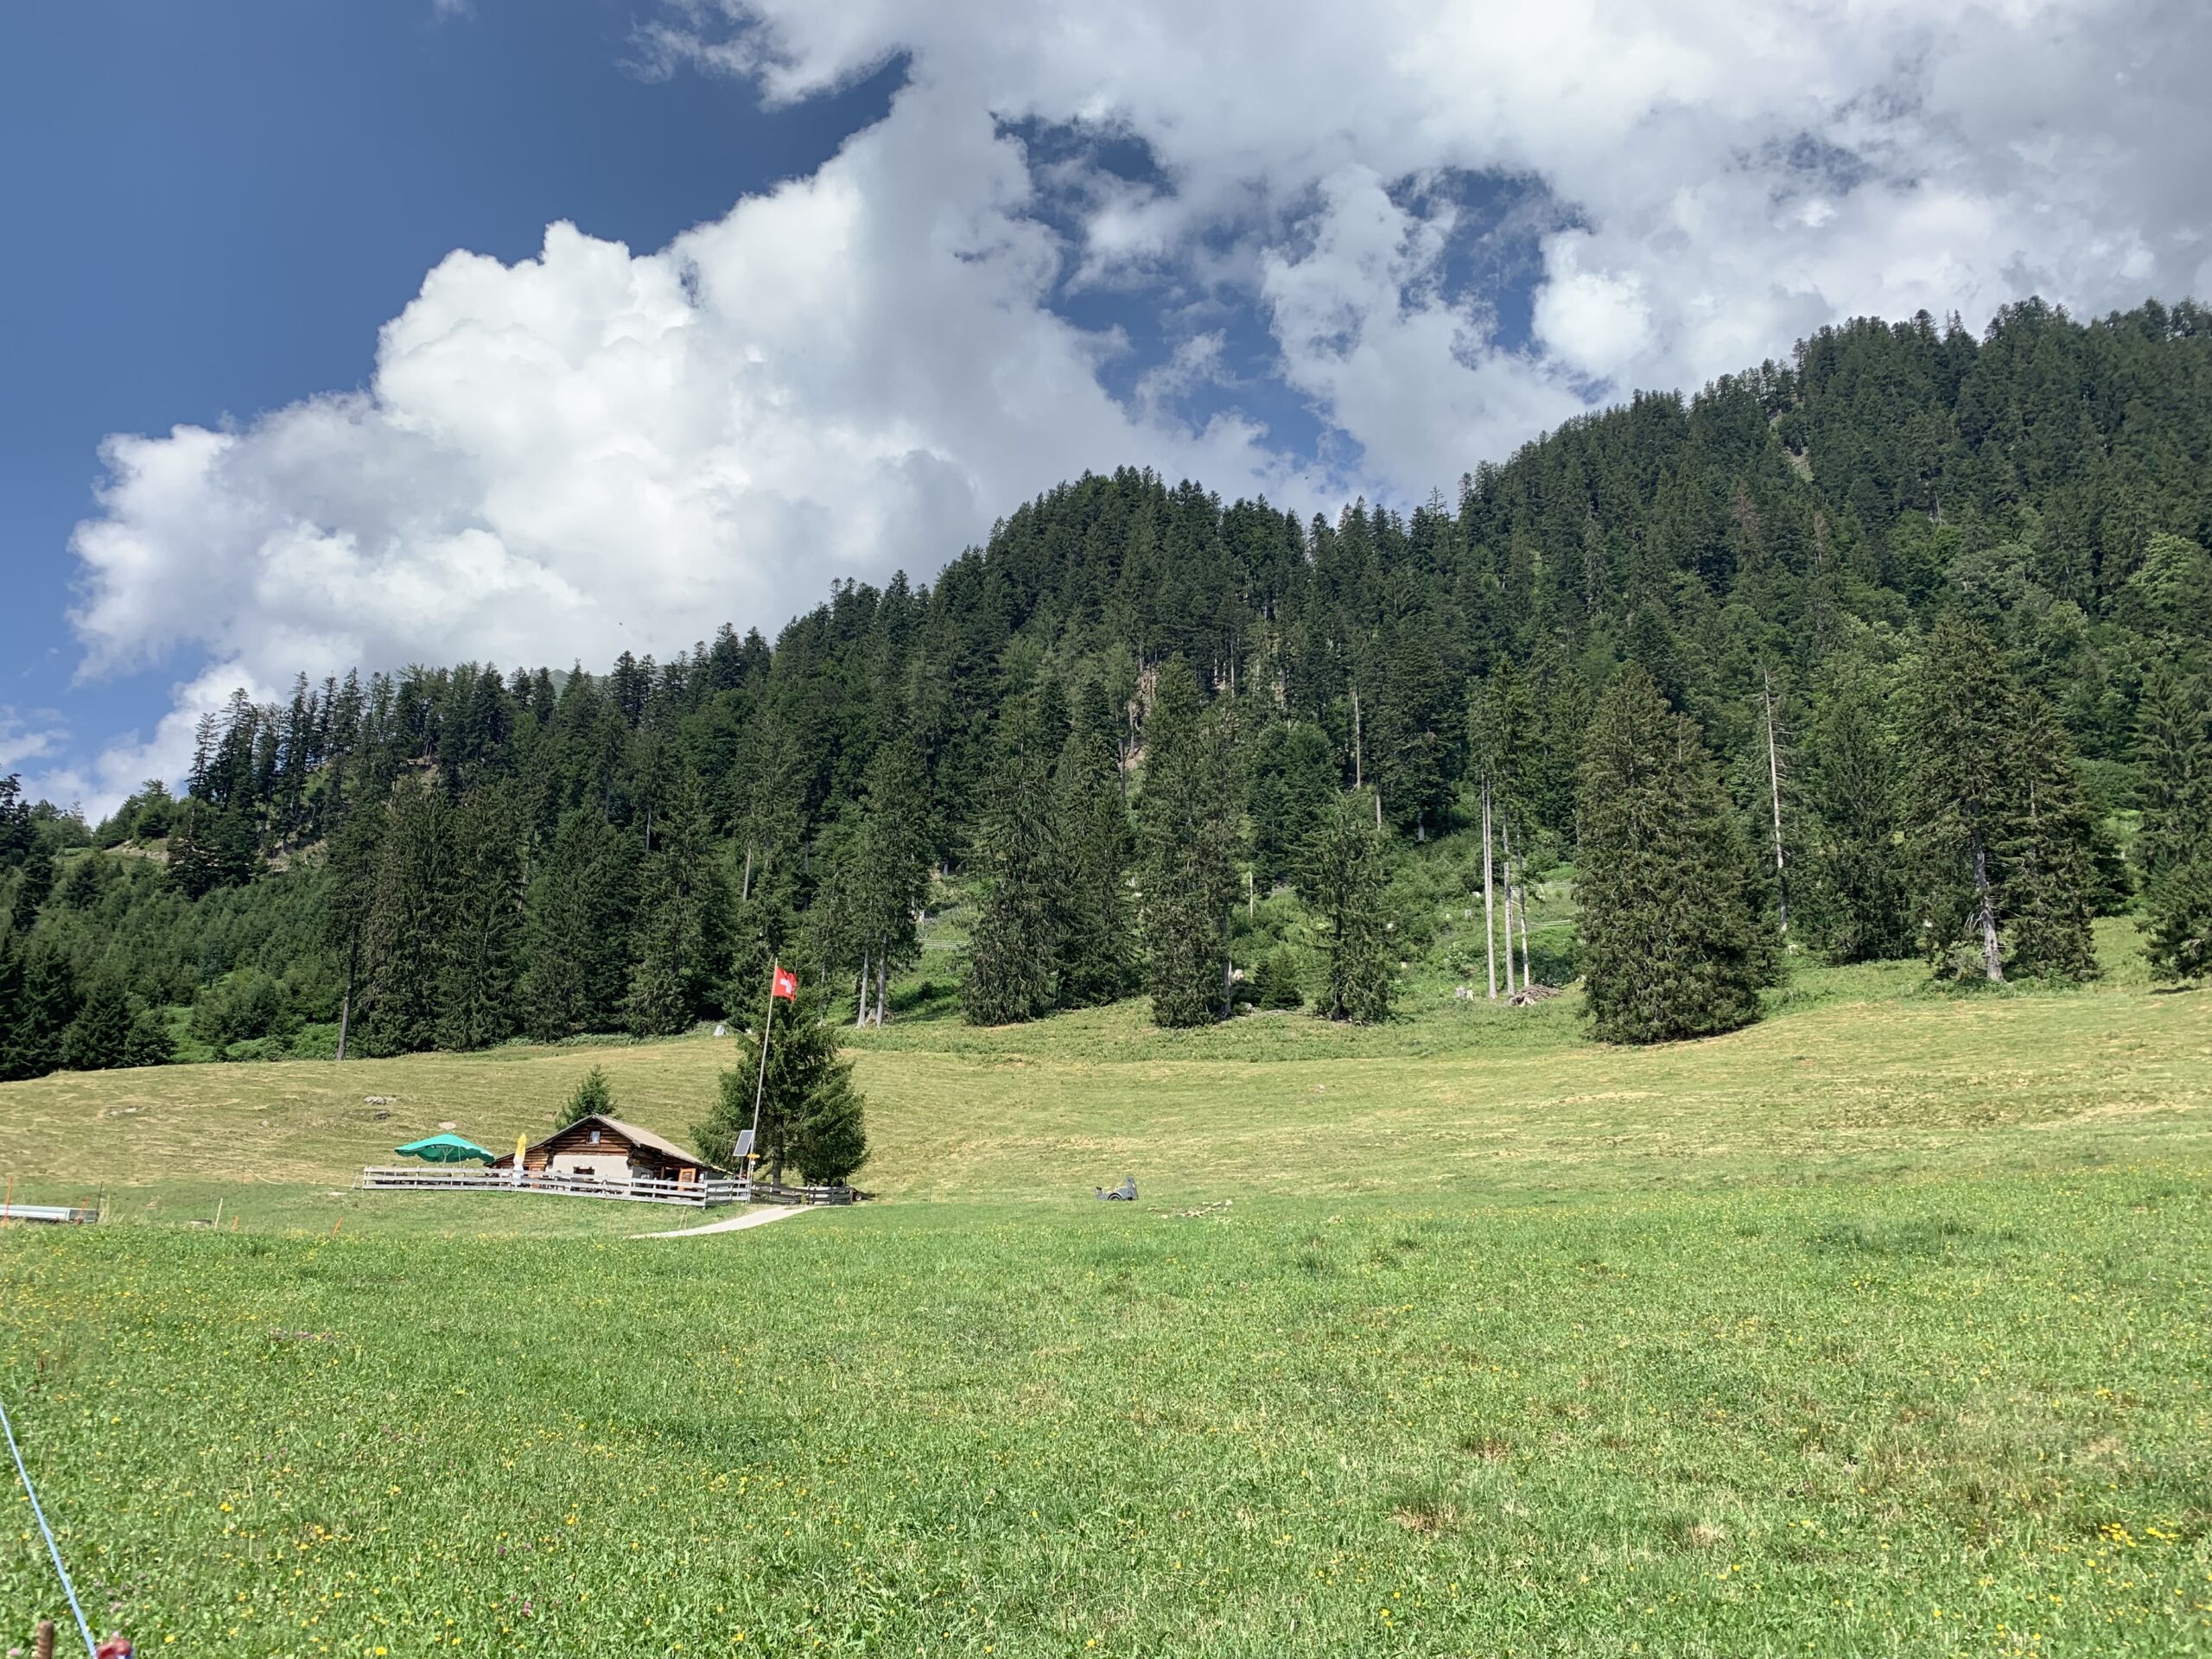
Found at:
(479, 991)
(892, 871)
(1275, 983)
(2004, 839)
(2046, 856)
(46, 1004)
(355, 854)
(593, 1097)
(810, 1113)
(1093, 942)
(1294, 783)
(16, 1062)
(1674, 944)
(683, 935)
(17, 835)
(2174, 742)
(34, 887)
(1963, 710)
(1341, 881)
(1187, 845)
(211, 847)
(149, 1042)
(406, 928)
(99, 1037)
(582, 900)
(1854, 897)
(1016, 857)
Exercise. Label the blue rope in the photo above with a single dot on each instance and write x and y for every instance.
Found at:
(52, 1548)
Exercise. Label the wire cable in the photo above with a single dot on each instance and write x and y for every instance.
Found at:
(52, 1548)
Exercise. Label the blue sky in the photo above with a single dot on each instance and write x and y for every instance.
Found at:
(526, 330)
(214, 207)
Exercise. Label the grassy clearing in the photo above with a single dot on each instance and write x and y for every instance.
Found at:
(1964, 1415)
(1881, 1327)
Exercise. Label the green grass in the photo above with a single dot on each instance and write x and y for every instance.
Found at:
(1884, 1326)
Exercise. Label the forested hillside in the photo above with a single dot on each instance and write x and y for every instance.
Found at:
(1896, 648)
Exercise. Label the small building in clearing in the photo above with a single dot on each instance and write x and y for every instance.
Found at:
(611, 1150)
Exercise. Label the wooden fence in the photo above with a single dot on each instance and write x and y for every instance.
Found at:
(693, 1194)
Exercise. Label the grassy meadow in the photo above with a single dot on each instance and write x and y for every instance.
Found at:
(1884, 1326)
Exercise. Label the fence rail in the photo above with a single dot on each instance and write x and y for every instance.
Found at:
(642, 1190)
(63, 1212)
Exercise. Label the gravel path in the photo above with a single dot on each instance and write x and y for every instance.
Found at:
(760, 1218)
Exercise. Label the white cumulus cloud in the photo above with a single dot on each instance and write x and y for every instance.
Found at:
(603, 447)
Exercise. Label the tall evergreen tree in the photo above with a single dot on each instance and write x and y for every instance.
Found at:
(99, 1039)
(1094, 957)
(893, 873)
(1341, 880)
(1294, 786)
(1854, 897)
(2001, 834)
(683, 912)
(1187, 843)
(1673, 943)
(479, 1000)
(1016, 858)
(34, 887)
(407, 922)
(810, 1113)
(2048, 855)
(581, 899)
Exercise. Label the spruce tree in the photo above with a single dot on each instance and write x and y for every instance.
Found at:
(34, 887)
(1853, 896)
(892, 871)
(1187, 843)
(407, 920)
(480, 990)
(99, 1037)
(1959, 738)
(355, 854)
(149, 1042)
(1017, 856)
(15, 1059)
(1341, 881)
(682, 946)
(2174, 743)
(578, 930)
(1094, 956)
(1674, 943)
(1295, 783)
(2002, 838)
(810, 1113)
(2047, 855)
(592, 1097)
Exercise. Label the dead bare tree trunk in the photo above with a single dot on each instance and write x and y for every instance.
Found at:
(1993, 961)
(1359, 777)
(346, 1003)
(1774, 787)
(883, 985)
(860, 998)
(1489, 924)
(1506, 871)
(745, 887)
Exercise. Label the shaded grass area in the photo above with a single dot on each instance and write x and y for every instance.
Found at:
(1951, 1415)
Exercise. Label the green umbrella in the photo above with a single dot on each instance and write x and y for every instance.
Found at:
(443, 1149)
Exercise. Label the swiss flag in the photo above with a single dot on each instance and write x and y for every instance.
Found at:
(786, 986)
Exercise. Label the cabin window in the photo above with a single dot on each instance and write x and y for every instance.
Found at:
(595, 1137)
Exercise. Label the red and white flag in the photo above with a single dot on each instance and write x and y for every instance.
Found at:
(786, 986)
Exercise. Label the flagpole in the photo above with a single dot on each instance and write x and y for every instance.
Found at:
(762, 1084)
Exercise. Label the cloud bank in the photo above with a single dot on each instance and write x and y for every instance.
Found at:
(1448, 226)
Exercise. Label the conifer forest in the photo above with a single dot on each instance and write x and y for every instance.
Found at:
(1896, 649)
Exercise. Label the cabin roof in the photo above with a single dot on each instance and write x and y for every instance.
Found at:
(633, 1133)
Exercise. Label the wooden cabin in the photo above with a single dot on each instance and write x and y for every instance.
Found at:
(611, 1150)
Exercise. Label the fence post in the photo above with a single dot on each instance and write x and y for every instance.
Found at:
(43, 1643)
